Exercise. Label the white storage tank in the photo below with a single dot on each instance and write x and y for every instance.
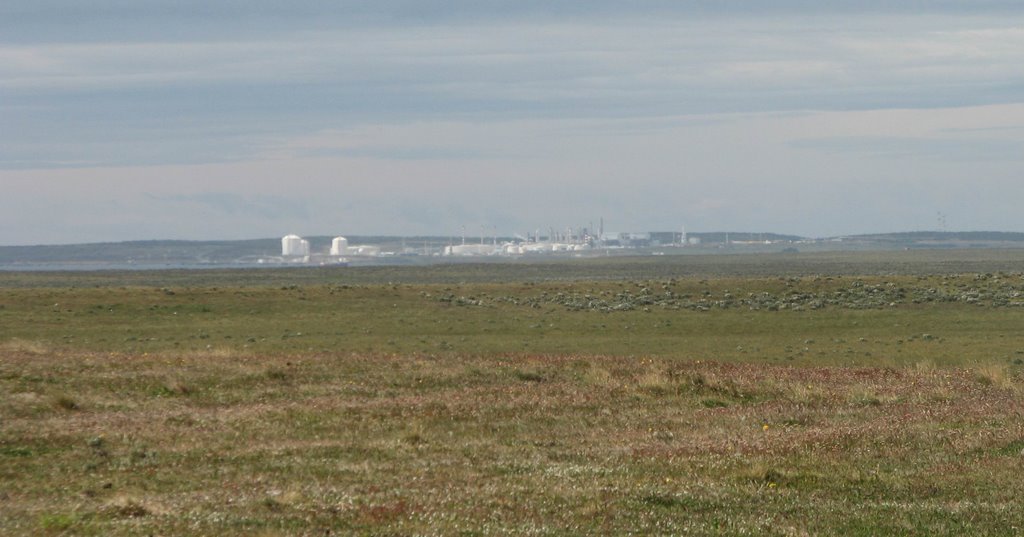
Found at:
(339, 246)
(537, 247)
(292, 245)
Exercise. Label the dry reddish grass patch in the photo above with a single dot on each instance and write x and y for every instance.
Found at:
(236, 444)
(21, 346)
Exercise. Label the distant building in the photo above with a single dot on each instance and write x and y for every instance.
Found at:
(626, 239)
(471, 249)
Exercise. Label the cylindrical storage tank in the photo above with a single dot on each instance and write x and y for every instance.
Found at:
(291, 245)
(339, 246)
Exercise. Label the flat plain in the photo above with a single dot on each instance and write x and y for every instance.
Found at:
(855, 394)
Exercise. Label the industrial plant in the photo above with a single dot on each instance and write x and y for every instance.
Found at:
(324, 250)
(571, 241)
(295, 249)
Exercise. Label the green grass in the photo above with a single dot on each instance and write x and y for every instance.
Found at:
(482, 408)
(488, 319)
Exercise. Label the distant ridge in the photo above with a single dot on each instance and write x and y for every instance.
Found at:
(742, 236)
(152, 251)
(916, 236)
(172, 251)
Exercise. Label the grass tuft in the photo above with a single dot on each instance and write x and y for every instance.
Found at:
(655, 381)
(726, 388)
(528, 376)
(25, 346)
(713, 403)
(762, 474)
(862, 395)
(127, 507)
(995, 375)
(925, 367)
(804, 394)
(415, 435)
(66, 402)
(272, 504)
(174, 386)
(276, 373)
(667, 501)
(598, 376)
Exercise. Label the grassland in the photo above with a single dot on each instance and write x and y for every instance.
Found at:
(738, 404)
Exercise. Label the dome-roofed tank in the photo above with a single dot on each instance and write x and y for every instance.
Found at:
(339, 246)
(292, 245)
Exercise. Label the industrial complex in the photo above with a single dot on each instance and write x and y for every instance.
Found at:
(571, 241)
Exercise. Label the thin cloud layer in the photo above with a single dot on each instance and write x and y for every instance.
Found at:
(719, 103)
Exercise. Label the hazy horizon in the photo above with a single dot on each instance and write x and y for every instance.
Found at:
(471, 238)
(145, 120)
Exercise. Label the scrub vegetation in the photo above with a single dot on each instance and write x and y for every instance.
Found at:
(740, 404)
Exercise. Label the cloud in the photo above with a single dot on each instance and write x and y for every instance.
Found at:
(405, 12)
(403, 114)
(78, 102)
(980, 150)
(232, 204)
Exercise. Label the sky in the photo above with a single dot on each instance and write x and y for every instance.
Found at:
(194, 119)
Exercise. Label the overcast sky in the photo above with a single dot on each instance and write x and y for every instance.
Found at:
(143, 119)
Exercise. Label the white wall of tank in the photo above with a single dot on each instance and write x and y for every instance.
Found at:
(294, 246)
(339, 246)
